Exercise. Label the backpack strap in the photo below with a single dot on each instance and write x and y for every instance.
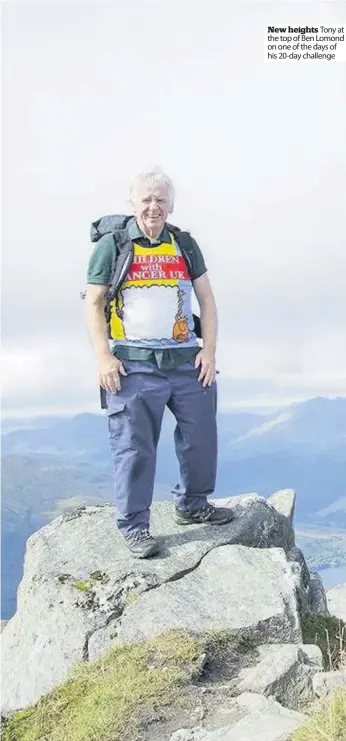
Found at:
(185, 243)
(121, 262)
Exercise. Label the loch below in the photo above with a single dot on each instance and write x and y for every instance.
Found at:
(333, 576)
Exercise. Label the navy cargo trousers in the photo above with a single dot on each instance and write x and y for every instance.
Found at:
(134, 422)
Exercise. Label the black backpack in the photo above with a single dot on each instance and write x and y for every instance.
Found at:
(117, 225)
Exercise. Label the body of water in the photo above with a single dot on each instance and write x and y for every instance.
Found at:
(333, 576)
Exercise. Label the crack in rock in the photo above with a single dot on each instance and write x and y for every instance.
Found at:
(190, 569)
(145, 582)
(134, 581)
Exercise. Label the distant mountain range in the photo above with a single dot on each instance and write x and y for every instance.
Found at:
(48, 470)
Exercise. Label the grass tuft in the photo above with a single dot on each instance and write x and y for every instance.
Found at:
(327, 722)
(105, 700)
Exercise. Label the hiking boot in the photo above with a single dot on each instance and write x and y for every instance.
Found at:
(207, 514)
(141, 544)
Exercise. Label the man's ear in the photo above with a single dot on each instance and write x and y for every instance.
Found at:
(171, 208)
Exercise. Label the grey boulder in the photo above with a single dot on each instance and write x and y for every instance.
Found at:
(250, 717)
(81, 590)
(317, 595)
(284, 501)
(284, 672)
(325, 683)
(234, 588)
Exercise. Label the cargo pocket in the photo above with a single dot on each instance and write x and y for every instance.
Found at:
(114, 404)
(118, 423)
(107, 402)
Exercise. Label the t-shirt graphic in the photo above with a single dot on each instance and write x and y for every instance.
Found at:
(153, 306)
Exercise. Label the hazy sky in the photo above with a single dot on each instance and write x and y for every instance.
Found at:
(93, 93)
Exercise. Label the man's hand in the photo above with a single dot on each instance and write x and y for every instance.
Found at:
(206, 362)
(110, 369)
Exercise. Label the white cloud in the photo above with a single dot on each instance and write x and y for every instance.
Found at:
(58, 372)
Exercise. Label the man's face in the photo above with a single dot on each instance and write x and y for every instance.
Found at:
(151, 207)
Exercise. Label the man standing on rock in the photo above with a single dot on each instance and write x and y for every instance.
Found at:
(148, 358)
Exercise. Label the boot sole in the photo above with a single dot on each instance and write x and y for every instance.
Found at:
(153, 551)
(203, 522)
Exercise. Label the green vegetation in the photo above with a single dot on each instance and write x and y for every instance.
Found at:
(131, 598)
(329, 633)
(108, 698)
(327, 721)
(224, 643)
(83, 586)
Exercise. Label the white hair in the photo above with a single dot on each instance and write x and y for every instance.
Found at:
(154, 177)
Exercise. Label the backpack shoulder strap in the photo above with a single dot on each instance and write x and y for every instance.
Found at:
(121, 262)
(116, 225)
(186, 246)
